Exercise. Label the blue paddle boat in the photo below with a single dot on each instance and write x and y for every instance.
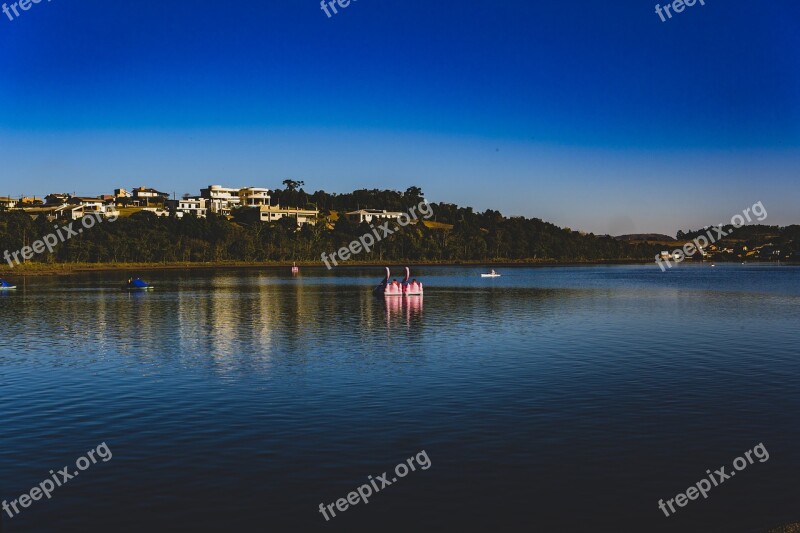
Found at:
(136, 284)
(6, 286)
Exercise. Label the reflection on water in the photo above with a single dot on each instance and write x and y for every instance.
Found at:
(403, 311)
(258, 395)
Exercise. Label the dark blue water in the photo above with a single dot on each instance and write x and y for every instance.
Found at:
(551, 399)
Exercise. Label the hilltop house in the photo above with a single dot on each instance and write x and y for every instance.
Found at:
(197, 207)
(92, 205)
(274, 213)
(370, 215)
(144, 197)
(221, 200)
(56, 212)
(56, 199)
(254, 197)
(30, 202)
(7, 203)
(121, 194)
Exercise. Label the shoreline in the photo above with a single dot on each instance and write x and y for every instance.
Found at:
(71, 269)
(68, 269)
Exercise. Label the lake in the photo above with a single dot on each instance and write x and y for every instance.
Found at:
(550, 399)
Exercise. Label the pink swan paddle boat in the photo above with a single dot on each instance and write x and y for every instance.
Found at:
(393, 288)
(411, 288)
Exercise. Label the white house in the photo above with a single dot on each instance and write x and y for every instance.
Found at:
(90, 205)
(196, 207)
(370, 215)
(69, 212)
(253, 197)
(275, 213)
(7, 203)
(221, 200)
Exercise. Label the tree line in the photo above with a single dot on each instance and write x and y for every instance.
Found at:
(461, 234)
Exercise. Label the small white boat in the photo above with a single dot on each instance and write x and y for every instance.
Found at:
(491, 274)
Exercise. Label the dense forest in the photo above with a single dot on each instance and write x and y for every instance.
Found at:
(453, 234)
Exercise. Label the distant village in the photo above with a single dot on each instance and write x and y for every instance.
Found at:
(214, 199)
(763, 252)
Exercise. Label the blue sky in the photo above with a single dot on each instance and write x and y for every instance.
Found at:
(592, 115)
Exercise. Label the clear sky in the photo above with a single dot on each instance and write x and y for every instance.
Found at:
(590, 114)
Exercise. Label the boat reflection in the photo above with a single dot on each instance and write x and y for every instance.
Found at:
(407, 309)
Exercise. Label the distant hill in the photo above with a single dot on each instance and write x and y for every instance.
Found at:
(645, 237)
(449, 233)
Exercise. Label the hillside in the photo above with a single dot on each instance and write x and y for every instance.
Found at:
(449, 234)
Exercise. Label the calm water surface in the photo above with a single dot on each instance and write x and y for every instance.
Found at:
(551, 399)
